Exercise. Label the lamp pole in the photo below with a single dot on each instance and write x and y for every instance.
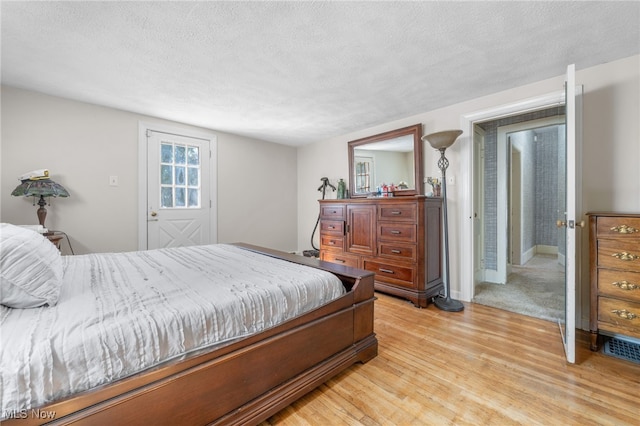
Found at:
(446, 303)
(441, 141)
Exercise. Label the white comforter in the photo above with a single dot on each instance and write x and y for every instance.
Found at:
(121, 313)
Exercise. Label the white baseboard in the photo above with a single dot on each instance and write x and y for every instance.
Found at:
(542, 249)
(491, 276)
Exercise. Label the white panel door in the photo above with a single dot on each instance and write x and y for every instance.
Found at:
(572, 215)
(178, 202)
(478, 204)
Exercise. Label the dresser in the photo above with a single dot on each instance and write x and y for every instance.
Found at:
(397, 238)
(614, 258)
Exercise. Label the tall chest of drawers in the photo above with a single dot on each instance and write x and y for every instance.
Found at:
(397, 238)
(614, 252)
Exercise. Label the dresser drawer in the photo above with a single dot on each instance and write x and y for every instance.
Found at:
(392, 273)
(341, 258)
(619, 284)
(398, 212)
(331, 242)
(397, 232)
(617, 254)
(620, 313)
(619, 227)
(332, 212)
(333, 227)
(398, 251)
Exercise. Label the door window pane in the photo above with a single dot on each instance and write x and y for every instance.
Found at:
(180, 197)
(193, 176)
(180, 154)
(193, 156)
(180, 176)
(194, 197)
(166, 196)
(166, 174)
(180, 185)
(167, 153)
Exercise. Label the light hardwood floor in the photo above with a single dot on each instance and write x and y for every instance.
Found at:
(482, 366)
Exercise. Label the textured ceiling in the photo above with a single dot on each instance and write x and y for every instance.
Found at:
(300, 72)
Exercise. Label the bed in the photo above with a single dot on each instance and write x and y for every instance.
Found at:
(200, 365)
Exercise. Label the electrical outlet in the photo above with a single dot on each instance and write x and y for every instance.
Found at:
(113, 180)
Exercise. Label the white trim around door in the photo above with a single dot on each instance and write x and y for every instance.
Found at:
(466, 194)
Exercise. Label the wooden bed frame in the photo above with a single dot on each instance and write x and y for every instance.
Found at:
(244, 382)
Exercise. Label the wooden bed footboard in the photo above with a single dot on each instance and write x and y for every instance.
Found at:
(244, 382)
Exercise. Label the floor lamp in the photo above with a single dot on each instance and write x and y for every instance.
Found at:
(441, 141)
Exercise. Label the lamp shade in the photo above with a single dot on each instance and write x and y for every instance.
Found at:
(40, 188)
(443, 139)
(37, 188)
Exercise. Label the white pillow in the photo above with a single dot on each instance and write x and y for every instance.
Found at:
(30, 268)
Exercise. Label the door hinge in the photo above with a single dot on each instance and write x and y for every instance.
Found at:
(149, 133)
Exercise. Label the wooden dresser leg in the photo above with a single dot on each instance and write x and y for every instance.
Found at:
(594, 340)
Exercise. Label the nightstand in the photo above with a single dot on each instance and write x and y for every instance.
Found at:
(55, 237)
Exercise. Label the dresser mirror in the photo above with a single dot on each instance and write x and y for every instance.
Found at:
(393, 157)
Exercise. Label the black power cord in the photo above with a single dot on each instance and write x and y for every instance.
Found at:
(67, 237)
(323, 188)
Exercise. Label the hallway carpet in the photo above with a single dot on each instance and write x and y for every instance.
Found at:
(535, 289)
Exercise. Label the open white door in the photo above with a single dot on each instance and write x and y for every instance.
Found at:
(572, 221)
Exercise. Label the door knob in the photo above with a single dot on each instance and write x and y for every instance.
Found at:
(154, 214)
(571, 223)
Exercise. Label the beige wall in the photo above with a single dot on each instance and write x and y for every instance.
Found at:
(611, 153)
(259, 183)
(83, 144)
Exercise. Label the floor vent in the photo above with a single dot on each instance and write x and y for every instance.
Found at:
(622, 349)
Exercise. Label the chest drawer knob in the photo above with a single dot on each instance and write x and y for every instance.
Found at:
(625, 285)
(623, 313)
(625, 256)
(624, 229)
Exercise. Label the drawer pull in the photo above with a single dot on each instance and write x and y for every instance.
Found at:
(396, 251)
(339, 260)
(624, 229)
(331, 227)
(332, 243)
(623, 313)
(396, 213)
(396, 232)
(625, 256)
(625, 285)
(386, 271)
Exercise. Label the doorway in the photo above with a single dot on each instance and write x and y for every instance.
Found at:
(522, 254)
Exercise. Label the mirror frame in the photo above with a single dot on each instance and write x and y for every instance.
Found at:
(416, 131)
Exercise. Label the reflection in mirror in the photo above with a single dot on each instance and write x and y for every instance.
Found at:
(387, 158)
